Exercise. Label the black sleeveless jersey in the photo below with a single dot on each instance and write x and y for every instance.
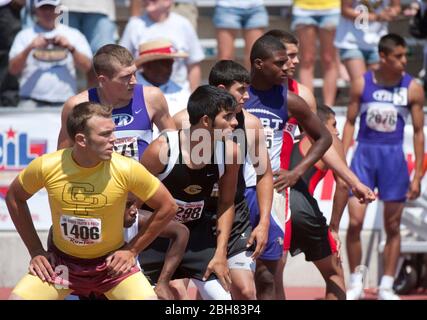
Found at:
(190, 187)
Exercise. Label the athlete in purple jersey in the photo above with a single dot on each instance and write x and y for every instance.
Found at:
(270, 101)
(135, 108)
(383, 98)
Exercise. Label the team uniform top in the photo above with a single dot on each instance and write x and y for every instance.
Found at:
(134, 131)
(271, 108)
(383, 111)
(191, 188)
(310, 178)
(87, 204)
(289, 131)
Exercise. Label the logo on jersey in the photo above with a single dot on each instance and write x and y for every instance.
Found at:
(193, 189)
(383, 95)
(272, 120)
(83, 197)
(122, 119)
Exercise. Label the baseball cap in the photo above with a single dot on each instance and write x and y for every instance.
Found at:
(39, 3)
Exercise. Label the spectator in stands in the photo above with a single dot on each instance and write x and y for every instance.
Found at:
(359, 31)
(186, 8)
(46, 56)
(157, 22)
(314, 20)
(95, 19)
(155, 62)
(10, 24)
(230, 16)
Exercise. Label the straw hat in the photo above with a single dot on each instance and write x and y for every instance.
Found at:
(157, 50)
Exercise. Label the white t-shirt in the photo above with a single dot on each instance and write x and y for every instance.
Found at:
(241, 4)
(360, 34)
(176, 96)
(177, 29)
(4, 2)
(49, 81)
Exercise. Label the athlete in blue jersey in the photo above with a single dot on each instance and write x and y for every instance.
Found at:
(271, 102)
(135, 108)
(384, 98)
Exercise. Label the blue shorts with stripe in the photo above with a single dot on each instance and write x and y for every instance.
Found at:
(383, 166)
(274, 247)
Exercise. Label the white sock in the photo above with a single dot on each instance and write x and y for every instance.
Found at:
(356, 278)
(386, 282)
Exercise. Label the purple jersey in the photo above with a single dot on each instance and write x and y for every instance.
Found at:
(271, 107)
(133, 125)
(383, 111)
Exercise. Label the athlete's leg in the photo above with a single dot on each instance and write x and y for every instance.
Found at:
(134, 287)
(33, 288)
(242, 270)
(392, 216)
(357, 213)
(211, 290)
(179, 288)
(267, 271)
(333, 274)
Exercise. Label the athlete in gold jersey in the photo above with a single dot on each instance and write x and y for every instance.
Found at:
(87, 187)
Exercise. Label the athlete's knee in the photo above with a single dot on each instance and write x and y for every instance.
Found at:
(247, 292)
(392, 229)
(354, 227)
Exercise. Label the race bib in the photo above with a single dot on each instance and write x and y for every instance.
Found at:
(127, 147)
(381, 118)
(189, 211)
(81, 231)
(269, 135)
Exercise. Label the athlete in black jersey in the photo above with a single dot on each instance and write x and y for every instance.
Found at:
(245, 244)
(189, 162)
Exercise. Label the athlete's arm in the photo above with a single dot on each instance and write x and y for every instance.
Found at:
(181, 119)
(352, 112)
(264, 186)
(416, 96)
(178, 235)
(308, 97)
(158, 108)
(16, 201)
(227, 189)
(64, 140)
(155, 156)
(321, 141)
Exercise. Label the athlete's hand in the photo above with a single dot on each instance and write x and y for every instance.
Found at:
(41, 265)
(284, 179)
(363, 193)
(163, 291)
(414, 189)
(39, 42)
(218, 265)
(120, 262)
(337, 240)
(260, 235)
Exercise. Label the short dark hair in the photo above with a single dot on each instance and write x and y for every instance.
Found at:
(81, 113)
(324, 112)
(209, 100)
(389, 42)
(283, 36)
(264, 47)
(226, 72)
(108, 57)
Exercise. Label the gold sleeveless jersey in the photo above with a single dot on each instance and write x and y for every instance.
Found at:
(317, 5)
(87, 204)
